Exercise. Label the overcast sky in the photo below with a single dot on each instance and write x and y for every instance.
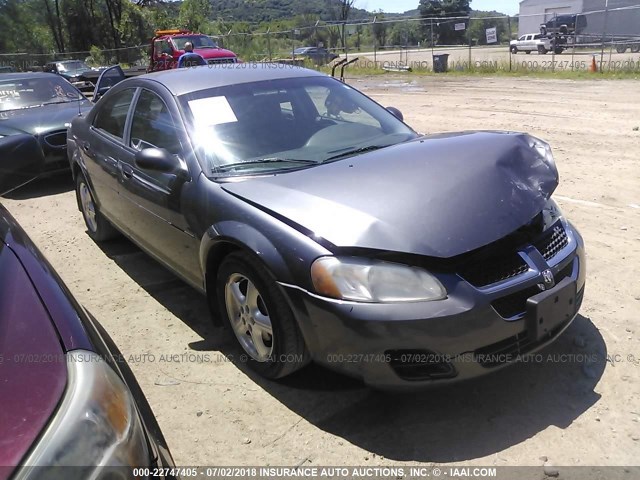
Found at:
(510, 7)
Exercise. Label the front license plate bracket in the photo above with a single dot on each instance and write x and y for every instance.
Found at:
(549, 309)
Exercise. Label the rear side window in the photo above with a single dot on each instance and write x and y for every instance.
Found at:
(112, 113)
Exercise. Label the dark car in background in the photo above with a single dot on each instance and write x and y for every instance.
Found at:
(564, 25)
(321, 227)
(318, 55)
(68, 397)
(71, 70)
(43, 105)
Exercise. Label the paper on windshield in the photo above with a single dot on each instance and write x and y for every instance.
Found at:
(212, 111)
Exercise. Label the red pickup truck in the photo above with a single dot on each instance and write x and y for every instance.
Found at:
(168, 45)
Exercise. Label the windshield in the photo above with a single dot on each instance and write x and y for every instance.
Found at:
(33, 92)
(198, 41)
(285, 124)
(72, 66)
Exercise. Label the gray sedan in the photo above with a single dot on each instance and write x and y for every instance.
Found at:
(323, 228)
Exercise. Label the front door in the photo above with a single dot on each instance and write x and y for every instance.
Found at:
(156, 219)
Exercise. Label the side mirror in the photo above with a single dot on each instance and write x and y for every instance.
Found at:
(158, 160)
(396, 113)
(21, 160)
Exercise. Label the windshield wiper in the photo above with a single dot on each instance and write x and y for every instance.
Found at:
(356, 151)
(232, 166)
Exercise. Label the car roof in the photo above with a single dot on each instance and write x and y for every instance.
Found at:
(27, 75)
(185, 80)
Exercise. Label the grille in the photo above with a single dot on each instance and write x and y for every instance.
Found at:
(56, 139)
(415, 365)
(554, 240)
(217, 61)
(494, 269)
(515, 304)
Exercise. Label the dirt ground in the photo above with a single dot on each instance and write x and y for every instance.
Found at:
(580, 409)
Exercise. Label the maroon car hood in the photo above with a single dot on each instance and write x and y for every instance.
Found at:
(208, 53)
(33, 370)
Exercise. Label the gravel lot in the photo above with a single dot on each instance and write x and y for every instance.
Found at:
(580, 410)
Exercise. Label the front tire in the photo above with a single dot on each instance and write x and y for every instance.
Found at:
(254, 309)
(98, 227)
(514, 50)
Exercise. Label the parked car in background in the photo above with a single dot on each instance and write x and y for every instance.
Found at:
(68, 397)
(72, 71)
(43, 105)
(7, 69)
(564, 25)
(534, 42)
(321, 227)
(168, 45)
(318, 55)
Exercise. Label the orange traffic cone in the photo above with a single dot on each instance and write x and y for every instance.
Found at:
(593, 68)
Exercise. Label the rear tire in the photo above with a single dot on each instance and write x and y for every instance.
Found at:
(621, 48)
(256, 312)
(527, 52)
(542, 50)
(98, 227)
(635, 48)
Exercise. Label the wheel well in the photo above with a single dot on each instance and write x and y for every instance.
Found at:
(214, 258)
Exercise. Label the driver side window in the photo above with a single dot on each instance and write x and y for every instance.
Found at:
(152, 125)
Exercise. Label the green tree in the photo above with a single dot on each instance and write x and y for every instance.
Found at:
(444, 31)
(194, 15)
(380, 30)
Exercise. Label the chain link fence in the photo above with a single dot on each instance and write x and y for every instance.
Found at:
(606, 40)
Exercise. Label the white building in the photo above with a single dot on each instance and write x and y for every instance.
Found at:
(608, 17)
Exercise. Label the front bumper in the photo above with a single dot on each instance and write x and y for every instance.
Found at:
(413, 345)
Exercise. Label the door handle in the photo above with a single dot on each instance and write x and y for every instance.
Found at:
(127, 171)
(86, 146)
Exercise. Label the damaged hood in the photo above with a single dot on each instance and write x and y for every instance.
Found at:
(439, 196)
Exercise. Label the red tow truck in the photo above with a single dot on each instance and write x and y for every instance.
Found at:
(168, 45)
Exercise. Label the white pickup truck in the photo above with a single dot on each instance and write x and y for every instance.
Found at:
(533, 42)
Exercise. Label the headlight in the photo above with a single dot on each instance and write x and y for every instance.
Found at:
(95, 426)
(364, 280)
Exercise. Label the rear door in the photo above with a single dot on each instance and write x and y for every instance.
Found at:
(102, 147)
(529, 43)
